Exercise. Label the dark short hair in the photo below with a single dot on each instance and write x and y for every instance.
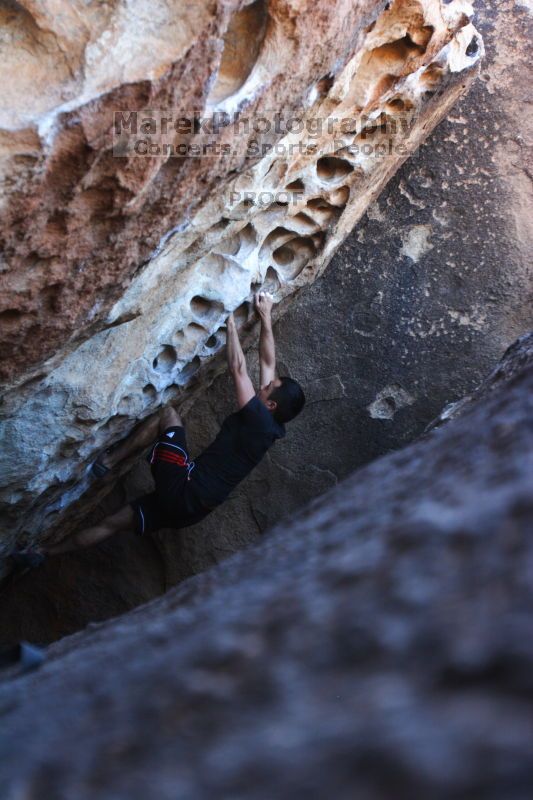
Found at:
(289, 399)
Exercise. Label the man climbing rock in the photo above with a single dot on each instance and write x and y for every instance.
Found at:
(186, 491)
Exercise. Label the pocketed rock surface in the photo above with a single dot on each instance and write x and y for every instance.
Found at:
(376, 323)
(270, 127)
(415, 308)
(377, 644)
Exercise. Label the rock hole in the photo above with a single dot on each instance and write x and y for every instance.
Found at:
(324, 85)
(248, 236)
(399, 51)
(166, 360)
(473, 47)
(283, 255)
(322, 211)
(275, 238)
(272, 282)
(193, 335)
(149, 391)
(432, 75)
(230, 246)
(170, 393)
(195, 331)
(295, 186)
(318, 203)
(189, 370)
(81, 420)
(211, 342)
(293, 256)
(396, 104)
(125, 405)
(303, 222)
(242, 43)
(330, 169)
(179, 338)
(221, 335)
(421, 37)
(340, 197)
(318, 240)
(204, 309)
(244, 240)
(384, 84)
(382, 125)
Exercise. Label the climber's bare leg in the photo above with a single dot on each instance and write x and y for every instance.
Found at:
(138, 441)
(144, 436)
(122, 520)
(125, 519)
(169, 418)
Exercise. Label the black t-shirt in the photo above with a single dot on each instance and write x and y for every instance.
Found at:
(241, 443)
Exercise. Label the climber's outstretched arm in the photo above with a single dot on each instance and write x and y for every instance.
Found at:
(267, 349)
(237, 365)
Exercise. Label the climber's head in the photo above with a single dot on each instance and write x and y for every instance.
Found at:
(283, 397)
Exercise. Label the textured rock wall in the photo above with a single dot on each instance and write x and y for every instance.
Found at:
(376, 645)
(117, 292)
(379, 324)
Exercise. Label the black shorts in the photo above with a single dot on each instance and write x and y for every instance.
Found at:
(170, 505)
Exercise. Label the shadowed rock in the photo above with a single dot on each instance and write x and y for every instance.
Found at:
(376, 645)
(120, 265)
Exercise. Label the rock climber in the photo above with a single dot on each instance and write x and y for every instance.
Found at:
(186, 491)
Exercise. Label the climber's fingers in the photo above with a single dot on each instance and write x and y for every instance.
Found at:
(263, 300)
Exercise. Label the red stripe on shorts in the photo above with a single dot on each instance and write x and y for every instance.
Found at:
(171, 458)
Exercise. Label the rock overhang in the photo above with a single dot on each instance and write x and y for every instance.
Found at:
(137, 340)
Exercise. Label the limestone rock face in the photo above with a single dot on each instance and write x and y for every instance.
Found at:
(377, 645)
(119, 269)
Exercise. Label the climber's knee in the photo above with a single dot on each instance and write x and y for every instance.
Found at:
(169, 418)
